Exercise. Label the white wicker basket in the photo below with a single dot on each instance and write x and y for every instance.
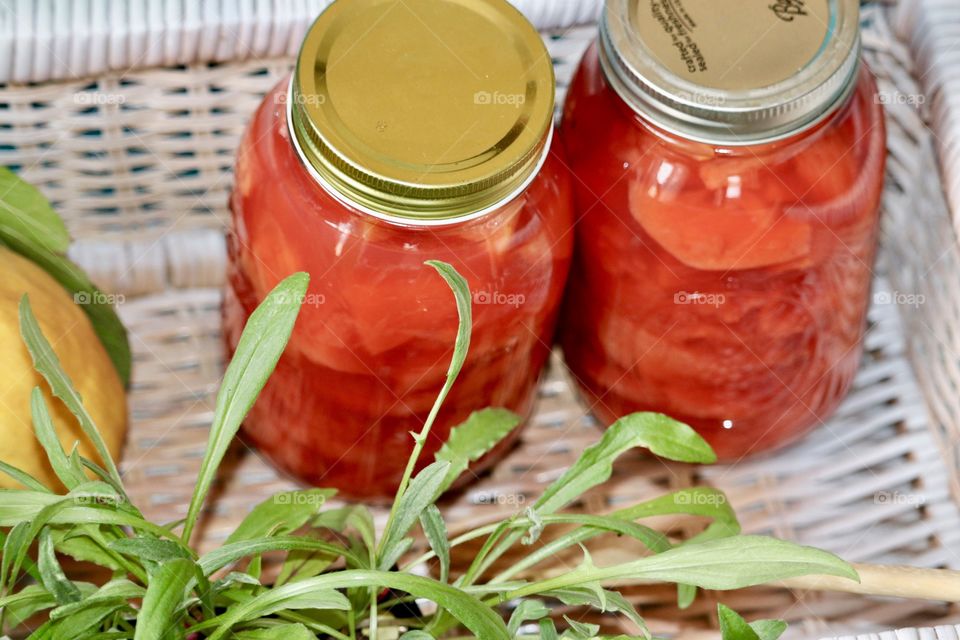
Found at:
(126, 113)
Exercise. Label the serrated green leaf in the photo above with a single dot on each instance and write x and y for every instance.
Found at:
(423, 491)
(659, 434)
(280, 514)
(434, 528)
(611, 601)
(656, 432)
(526, 611)
(45, 361)
(53, 578)
(26, 213)
(162, 602)
(477, 435)
(263, 340)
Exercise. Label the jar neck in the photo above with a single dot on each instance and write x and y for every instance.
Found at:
(727, 118)
(404, 221)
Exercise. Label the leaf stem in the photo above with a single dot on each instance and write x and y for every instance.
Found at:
(464, 312)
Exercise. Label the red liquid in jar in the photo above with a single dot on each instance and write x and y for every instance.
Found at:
(375, 335)
(725, 287)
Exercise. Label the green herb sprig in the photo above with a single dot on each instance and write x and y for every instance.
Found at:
(339, 578)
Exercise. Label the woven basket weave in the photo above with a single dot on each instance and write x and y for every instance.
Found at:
(131, 130)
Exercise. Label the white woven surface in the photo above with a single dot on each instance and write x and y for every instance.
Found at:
(42, 40)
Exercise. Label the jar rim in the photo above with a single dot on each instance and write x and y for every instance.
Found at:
(401, 115)
(740, 115)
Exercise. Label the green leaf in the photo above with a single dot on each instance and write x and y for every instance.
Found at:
(548, 631)
(26, 213)
(354, 516)
(288, 597)
(461, 293)
(526, 611)
(769, 629)
(476, 616)
(117, 590)
(468, 441)
(434, 528)
(47, 435)
(733, 627)
(85, 622)
(423, 491)
(605, 601)
(28, 601)
(736, 562)
(277, 632)
(221, 557)
(151, 549)
(726, 563)
(281, 513)
(30, 227)
(580, 630)
(416, 634)
(97, 306)
(52, 576)
(45, 361)
(663, 436)
(261, 344)
(22, 477)
(163, 600)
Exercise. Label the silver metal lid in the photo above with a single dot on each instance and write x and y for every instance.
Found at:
(731, 72)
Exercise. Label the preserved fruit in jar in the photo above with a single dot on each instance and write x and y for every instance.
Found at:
(727, 196)
(392, 145)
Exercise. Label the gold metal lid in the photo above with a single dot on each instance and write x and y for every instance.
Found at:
(423, 110)
(731, 71)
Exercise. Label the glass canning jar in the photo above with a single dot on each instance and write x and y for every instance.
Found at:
(729, 161)
(408, 132)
